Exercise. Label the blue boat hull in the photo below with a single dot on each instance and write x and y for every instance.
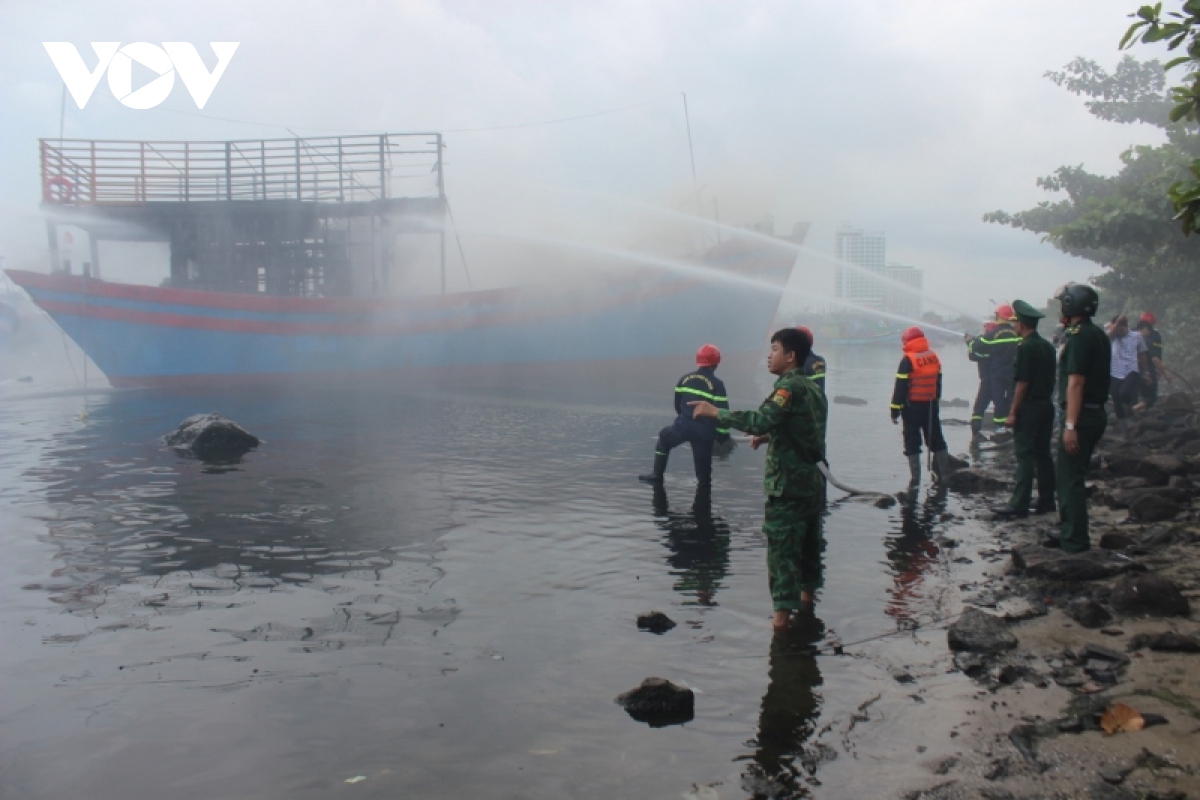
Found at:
(146, 336)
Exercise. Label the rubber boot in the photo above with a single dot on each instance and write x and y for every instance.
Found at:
(914, 470)
(1124, 425)
(976, 430)
(660, 466)
(941, 466)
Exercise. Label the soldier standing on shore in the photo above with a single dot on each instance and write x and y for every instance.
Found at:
(1031, 416)
(1083, 378)
(792, 421)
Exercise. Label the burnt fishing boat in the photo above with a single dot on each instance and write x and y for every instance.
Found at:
(284, 258)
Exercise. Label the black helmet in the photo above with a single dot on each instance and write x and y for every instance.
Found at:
(1078, 300)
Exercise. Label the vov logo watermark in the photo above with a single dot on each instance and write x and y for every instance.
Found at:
(164, 61)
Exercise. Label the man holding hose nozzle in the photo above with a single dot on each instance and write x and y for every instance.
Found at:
(792, 421)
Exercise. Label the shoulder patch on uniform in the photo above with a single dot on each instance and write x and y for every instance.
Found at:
(781, 397)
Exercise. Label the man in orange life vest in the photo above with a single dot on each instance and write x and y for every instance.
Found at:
(915, 400)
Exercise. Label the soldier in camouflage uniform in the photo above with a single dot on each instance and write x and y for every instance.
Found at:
(792, 420)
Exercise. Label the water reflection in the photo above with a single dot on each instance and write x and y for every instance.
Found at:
(784, 760)
(331, 501)
(699, 545)
(912, 554)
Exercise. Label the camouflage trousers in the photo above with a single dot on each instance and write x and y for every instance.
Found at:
(793, 528)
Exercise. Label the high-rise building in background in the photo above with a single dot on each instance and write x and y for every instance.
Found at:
(867, 250)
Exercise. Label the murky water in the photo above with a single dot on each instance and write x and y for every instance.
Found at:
(437, 595)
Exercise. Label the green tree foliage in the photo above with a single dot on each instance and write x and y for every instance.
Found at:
(1178, 29)
(1124, 222)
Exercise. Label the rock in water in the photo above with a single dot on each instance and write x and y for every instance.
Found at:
(659, 702)
(1088, 613)
(842, 399)
(978, 632)
(212, 437)
(1150, 594)
(655, 622)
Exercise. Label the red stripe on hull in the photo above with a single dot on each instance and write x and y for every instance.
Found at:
(639, 376)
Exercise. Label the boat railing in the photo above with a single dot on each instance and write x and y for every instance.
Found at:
(326, 169)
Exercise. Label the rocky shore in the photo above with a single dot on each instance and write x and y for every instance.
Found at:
(1089, 682)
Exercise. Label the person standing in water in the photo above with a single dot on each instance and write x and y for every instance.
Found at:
(915, 399)
(703, 434)
(792, 423)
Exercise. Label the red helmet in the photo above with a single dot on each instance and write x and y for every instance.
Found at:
(807, 333)
(1005, 312)
(1149, 317)
(911, 333)
(708, 356)
(990, 327)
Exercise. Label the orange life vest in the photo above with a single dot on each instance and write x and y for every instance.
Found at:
(923, 380)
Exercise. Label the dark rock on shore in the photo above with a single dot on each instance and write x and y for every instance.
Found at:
(212, 437)
(965, 481)
(843, 400)
(977, 632)
(1088, 613)
(1154, 508)
(655, 622)
(659, 702)
(1149, 594)
(1043, 562)
(1115, 541)
(1165, 642)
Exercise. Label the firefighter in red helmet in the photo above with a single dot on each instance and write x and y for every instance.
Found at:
(998, 349)
(915, 399)
(1155, 369)
(703, 434)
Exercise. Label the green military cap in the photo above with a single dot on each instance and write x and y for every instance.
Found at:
(1026, 311)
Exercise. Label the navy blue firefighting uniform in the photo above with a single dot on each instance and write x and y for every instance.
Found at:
(999, 349)
(700, 384)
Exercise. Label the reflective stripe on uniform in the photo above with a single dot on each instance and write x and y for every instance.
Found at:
(706, 395)
(723, 430)
(901, 376)
(894, 405)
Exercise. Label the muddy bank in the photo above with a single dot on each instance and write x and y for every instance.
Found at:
(1070, 637)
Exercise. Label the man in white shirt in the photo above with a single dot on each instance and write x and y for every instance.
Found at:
(1129, 368)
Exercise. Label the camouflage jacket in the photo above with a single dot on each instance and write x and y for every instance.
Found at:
(794, 415)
